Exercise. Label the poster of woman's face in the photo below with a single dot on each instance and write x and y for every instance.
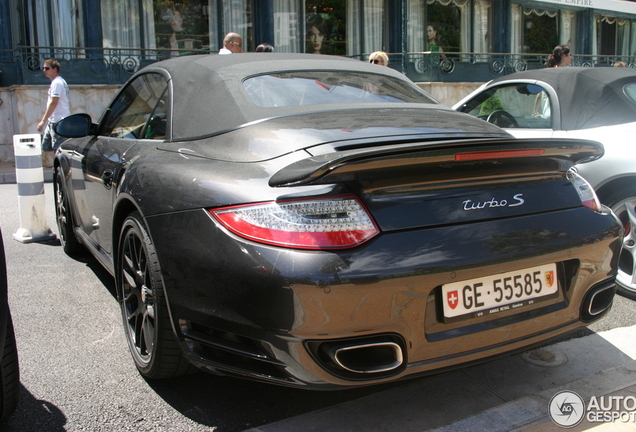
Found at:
(180, 24)
(325, 26)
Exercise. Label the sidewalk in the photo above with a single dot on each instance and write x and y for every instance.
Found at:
(511, 394)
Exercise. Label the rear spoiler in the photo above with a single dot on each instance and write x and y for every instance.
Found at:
(342, 166)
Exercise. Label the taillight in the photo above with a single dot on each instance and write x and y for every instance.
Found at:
(336, 222)
(585, 191)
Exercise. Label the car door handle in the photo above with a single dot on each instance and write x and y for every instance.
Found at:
(107, 179)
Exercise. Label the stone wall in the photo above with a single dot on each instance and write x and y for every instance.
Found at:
(21, 107)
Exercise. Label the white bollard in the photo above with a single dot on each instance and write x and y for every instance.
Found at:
(30, 179)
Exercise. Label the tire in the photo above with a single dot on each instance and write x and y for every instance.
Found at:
(69, 241)
(147, 326)
(625, 209)
(9, 372)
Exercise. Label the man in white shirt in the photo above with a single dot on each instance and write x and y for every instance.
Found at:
(232, 44)
(56, 107)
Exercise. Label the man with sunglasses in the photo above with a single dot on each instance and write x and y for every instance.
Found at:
(56, 107)
(232, 44)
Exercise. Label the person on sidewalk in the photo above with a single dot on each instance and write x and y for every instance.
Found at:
(57, 106)
(232, 44)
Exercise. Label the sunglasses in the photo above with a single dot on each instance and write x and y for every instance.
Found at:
(375, 61)
(236, 43)
(46, 68)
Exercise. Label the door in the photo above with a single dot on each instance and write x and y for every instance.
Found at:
(136, 116)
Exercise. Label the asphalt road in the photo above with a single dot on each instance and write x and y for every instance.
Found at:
(76, 371)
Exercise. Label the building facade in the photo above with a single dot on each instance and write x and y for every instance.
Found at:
(105, 41)
(449, 47)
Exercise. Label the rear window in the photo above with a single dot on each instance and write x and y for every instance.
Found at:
(330, 87)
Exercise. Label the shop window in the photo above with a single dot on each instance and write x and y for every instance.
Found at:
(53, 24)
(567, 32)
(533, 30)
(326, 27)
(445, 26)
(287, 26)
(127, 25)
(237, 17)
(365, 26)
(182, 27)
(539, 31)
(482, 38)
(632, 45)
(614, 36)
(185, 27)
(622, 40)
(606, 35)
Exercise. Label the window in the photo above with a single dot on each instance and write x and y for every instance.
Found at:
(318, 88)
(125, 21)
(326, 27)
(140, 110)
(539, 31)
(612, 35)
(287, 26)
(365, 26)
(482, 39)
(445, 25)
(605, 35)
(516, 105)
(181, 26)
(55, 24)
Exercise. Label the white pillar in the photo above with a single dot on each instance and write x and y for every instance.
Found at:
(30, 179)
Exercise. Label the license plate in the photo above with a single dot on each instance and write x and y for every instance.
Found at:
(505, 291)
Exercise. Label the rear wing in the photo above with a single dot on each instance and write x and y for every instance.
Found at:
(343, 166)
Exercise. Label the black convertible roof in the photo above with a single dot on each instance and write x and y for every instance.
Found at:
(209, 93)
(589, 97)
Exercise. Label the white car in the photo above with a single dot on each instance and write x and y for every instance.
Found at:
(576, 102)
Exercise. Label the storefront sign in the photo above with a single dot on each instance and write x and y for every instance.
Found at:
(606, 5)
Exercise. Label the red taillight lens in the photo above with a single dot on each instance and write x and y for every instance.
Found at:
(585, 191)
(338, 222)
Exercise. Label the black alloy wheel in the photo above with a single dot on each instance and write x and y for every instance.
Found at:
(63, 216)
(625, 210)
(151, 340)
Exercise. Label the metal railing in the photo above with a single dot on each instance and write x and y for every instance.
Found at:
(116, 65)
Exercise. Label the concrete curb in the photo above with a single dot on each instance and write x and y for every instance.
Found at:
(521, 414)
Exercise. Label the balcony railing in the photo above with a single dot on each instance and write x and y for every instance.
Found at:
(115, 65)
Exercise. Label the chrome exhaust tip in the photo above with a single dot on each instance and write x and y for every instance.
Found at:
(368, 358)
(597, 301)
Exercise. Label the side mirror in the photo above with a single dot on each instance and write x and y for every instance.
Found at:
(529, 89)
(75, 126)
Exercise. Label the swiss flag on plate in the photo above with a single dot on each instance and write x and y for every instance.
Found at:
(452, 298)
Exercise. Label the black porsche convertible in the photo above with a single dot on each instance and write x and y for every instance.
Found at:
(322, 222)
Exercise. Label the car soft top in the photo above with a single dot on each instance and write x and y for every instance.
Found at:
(589, 97)
(199, 82)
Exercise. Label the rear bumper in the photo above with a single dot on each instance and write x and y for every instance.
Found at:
(373, 314)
